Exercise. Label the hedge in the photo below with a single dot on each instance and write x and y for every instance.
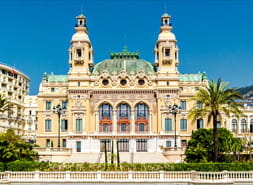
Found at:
(22, 166)
(246, 166)
(47, 166)
(1, 167)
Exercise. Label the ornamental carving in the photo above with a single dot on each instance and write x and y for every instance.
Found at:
(78, 115)
(123, 74)
(105, 74)
(141, 73)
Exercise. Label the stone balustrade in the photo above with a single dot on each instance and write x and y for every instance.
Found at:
(186, 177)
(52, 149)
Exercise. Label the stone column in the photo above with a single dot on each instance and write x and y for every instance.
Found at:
(73, 123)
(114, 122)
(132, 124)
(150, 122)
(239, 126)
(97, 121)
(248, 124)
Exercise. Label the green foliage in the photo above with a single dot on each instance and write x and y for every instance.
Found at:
(2, 167)
(47, 166)
(200, 148)
(13, 148)
(246, 166)
(217, 99)
(22, 166)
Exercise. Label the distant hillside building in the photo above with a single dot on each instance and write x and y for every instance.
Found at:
(15, 85)
(30, 116)
(122, 98)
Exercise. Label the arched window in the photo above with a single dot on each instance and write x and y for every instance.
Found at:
(141, 118)
(234, 125)
(123, 116)
(243, 126)
(105, 118)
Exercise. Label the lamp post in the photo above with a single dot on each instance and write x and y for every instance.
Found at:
(59, 110)
(175, 109)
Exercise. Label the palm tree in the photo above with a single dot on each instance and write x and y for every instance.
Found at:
(5, 104)
(216, 98)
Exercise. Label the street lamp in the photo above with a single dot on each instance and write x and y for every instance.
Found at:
(59, 110)
(175, 109)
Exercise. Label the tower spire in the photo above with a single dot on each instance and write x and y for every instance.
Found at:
(166, 51)
(80, 52)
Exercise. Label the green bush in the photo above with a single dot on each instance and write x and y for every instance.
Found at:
(48, 166)
(1, 167)
(22, 166)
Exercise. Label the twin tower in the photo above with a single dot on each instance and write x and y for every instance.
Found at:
(81, 59)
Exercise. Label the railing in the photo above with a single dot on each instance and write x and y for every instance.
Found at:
(52, 149)
(168, 149)
(130, 176)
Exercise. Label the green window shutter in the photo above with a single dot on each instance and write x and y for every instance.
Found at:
(183, 105)
(168, 126)
(183, 124)
(48, 125)
(79, 125)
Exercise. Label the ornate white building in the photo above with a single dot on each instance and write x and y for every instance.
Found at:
(122, 98)
(30, 116)
(15, 85)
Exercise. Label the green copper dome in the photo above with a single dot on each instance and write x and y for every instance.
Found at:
(126, 61)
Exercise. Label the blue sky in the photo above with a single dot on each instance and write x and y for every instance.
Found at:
(214, 36)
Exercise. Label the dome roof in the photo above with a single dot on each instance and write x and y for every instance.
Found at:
(166, 35)
(80, 36)
(125, 60)
(128, 65)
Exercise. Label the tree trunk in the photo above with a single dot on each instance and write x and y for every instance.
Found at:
(106, 161)
(118, 160)
(112, 153)
(215, 139)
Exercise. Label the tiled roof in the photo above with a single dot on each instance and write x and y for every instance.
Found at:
(192, 77)
(57, 78)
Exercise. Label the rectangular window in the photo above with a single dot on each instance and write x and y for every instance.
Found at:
(64, 125)
(199, 105)
(64, 105)
(141, 145)
(106, 127)
(108, 144)
(168, 124)
(141, 127)
(183, 124)
(168, 143)
(79, 125)
(167, 52)
(79, 52)
(78, 146)
(200, 123)
(218, 124)
(123, 127)
(123, 145)
(47, 142)
(64, 143)
(48, 125)
(183, 143)
(52, 89)
(183, 105)
(48, 105)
